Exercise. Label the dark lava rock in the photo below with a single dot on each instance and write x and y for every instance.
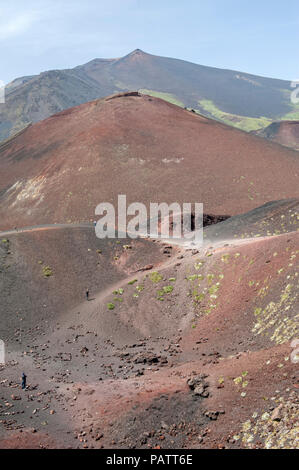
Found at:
(199, 386)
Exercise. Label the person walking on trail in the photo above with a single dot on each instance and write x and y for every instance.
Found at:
(87, 294)
(24, 379)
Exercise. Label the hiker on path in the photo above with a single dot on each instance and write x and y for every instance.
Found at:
(87, 294)
(24, 378)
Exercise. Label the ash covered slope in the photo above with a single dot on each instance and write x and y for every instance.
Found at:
(58, 170)
(283, 132)
(273, 218)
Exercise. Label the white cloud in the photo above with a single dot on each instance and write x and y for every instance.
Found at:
(14, 25)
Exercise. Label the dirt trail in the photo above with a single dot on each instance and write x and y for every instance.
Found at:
(37, 228)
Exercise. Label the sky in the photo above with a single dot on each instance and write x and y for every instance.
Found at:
(255, 36)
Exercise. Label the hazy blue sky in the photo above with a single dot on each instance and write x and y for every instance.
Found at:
(256, 36)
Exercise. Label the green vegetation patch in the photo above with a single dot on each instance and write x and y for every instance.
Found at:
(140, 288)
(270, 432)
(241, 122)
(240, 380)
(168, 289)
(276, 319)
(193, 277)
(164, 96)
(47, 271)
(155, 277)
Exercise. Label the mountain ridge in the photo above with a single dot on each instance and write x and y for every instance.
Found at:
(240, 99)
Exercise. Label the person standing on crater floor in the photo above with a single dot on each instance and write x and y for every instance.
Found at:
(87, 294)
(24, 379)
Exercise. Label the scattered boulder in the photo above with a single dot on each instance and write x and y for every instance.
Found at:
(149, 358)
(145, 268)
(277, 413)
(213, 415)
(199, 386)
